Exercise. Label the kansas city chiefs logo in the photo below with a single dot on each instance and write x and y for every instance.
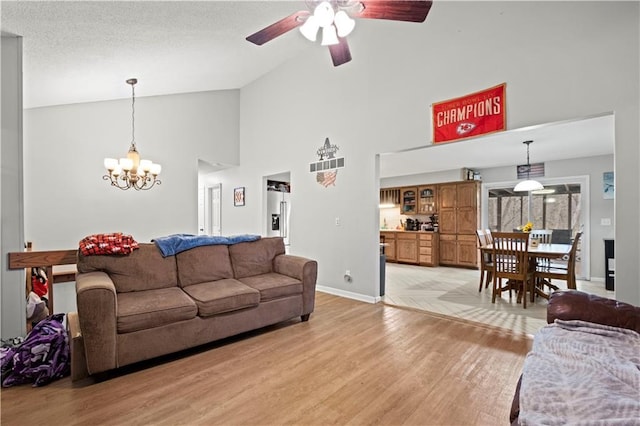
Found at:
(464, 128)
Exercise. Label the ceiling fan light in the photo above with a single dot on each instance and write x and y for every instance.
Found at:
(329, 36)
(344, 23)
(310, 28)
(324, 14)
(528, 185)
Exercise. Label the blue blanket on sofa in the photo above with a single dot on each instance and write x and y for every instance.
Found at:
(176, 243)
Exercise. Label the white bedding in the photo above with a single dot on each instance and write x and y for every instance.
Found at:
(580, 373)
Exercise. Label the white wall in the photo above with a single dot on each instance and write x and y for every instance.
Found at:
(65, 195)
(12, 285)
(560, 60)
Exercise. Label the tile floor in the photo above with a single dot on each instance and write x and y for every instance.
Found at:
(454, 292)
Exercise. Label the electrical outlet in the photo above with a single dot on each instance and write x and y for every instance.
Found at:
(605, 221)
(348, 272)
(337, 221)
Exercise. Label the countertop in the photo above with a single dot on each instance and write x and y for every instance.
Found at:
(408, 232)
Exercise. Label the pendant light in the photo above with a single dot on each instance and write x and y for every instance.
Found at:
(528, 184)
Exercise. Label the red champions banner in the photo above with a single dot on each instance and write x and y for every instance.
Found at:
(470, 115)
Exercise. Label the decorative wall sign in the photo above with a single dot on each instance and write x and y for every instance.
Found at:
(326, 169)
(608, 190)
(526, 171)
(238, 196)
(470, 115)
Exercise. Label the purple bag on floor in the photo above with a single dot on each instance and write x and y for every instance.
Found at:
(41, 358)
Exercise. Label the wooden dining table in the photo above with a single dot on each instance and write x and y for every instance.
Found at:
(542, 251)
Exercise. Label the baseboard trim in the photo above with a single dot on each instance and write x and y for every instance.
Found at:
(348, 294)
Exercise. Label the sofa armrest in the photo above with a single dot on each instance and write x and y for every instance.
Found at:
(303, 269)
(577, 305)
(97, 311)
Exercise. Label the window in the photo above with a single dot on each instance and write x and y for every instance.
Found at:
(558, 208)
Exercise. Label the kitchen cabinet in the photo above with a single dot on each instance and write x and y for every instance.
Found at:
(390, 248)
(409, 200)
(407, 247)
(459, 217)
(428, 249)
(427, 199)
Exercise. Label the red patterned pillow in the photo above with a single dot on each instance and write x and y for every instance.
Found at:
(114, 243)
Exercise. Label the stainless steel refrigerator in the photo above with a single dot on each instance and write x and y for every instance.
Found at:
(279, 212)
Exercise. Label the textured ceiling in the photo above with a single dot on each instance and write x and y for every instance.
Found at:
(84, 51)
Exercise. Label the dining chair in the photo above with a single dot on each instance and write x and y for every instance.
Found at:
(543, 235)
(511, 262)
(556, 271)
(486, 264)
(489, 236)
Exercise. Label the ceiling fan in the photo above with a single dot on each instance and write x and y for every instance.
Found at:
(334, 17)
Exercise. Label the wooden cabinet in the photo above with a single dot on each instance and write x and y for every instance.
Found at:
(448, 249)
(459, 217)
(407, 247)
(390, 248)
(417, 248)
(409, 200)
(427, 199)
(428, 249)
(467, 250)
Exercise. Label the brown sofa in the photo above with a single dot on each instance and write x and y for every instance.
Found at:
(140, 306)
(568, 305)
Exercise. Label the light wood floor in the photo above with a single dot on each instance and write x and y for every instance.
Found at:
(352, 363)
(454, 292)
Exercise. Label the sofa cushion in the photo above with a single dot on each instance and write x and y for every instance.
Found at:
(139, 310)
(143, 269)
(272, 285)
(203, 264)
(216, 297)
(256, 257)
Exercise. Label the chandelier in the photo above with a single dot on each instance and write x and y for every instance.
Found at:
(132, 172)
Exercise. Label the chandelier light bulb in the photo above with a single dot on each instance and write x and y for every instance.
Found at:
(145, 165)
(155, 169)
(126, 164)
(110, 163)
(344, 23)
(324, 14)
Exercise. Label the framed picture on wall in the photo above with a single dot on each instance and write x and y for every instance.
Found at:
(238, 196)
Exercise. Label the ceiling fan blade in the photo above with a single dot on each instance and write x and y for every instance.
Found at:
(278, 28)
(340, 53)
(395, 10)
